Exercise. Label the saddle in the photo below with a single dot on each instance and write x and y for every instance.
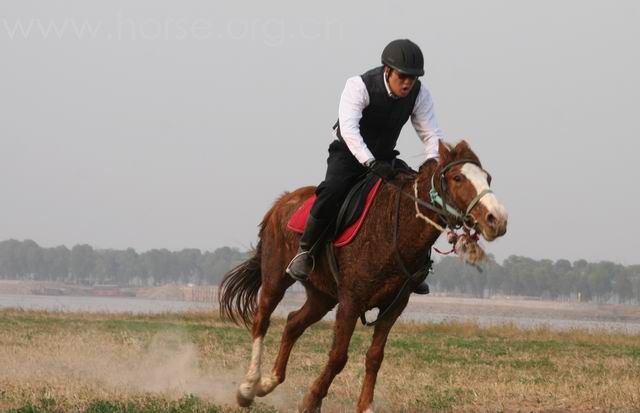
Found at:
(354, 209)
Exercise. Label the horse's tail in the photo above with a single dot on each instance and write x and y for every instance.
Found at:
(239, 290)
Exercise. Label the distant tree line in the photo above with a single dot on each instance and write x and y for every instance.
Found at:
(82, 264)
(519, 276)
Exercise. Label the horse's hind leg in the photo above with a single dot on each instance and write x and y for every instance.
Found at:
(376, 354)
(316, 306)
(271, 294)
(346, 318)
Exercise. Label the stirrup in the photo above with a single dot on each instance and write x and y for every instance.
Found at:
(301, 278)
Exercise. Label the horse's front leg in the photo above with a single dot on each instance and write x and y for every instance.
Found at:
(375, 355)
(346, 318)
(316, 306)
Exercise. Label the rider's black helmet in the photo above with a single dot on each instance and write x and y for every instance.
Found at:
(404, 56)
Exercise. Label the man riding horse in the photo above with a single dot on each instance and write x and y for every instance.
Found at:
(380, 267)
(373, 109)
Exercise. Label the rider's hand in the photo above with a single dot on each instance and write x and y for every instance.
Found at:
(383, 169)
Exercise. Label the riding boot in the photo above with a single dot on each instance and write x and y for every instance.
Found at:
(303, 262)
(422, 288)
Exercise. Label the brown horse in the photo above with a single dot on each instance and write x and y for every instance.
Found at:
(369, 273)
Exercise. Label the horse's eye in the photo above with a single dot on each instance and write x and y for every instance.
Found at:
(457, 178)
(489, 179)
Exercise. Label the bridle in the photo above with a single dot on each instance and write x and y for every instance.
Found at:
(459, 218)
(454, 218)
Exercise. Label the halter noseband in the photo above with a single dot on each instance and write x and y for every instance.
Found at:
(439, 200)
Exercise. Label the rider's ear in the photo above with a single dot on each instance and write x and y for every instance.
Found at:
(444, 151)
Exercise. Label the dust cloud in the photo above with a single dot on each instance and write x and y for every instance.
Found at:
(93, 366)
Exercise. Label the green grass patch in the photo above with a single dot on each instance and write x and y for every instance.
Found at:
(188, 404)
(537, 364)
(437, 400)
(633, 352)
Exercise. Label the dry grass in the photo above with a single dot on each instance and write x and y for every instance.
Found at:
(192, 362)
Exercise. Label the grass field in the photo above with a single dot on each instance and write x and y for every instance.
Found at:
(60, 362)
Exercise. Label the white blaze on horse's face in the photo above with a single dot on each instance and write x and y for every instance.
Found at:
(491, 216)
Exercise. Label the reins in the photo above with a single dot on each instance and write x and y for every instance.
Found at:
(445, 211)
(438, 204)
(417, 277)
(453, 218)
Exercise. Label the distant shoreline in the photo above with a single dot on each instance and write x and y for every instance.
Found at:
(434, 308)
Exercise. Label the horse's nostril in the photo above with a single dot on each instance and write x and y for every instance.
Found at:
(491, 219)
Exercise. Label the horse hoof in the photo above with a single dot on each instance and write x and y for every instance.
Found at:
(245, 394)
(242, 400)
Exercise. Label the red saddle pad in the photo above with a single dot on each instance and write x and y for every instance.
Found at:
(299, 218)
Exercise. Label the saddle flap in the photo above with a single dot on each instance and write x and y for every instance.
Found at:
(354, 203)
(353, 214)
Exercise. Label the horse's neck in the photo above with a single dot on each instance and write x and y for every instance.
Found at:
(416, 235)
(422, 187)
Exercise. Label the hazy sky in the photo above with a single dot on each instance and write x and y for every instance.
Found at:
(176, 124)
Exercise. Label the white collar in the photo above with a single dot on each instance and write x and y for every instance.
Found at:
(386, 85)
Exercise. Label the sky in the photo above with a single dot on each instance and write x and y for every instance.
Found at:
(176, 124)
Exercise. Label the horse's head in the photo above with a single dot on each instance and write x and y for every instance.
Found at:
(463, 184)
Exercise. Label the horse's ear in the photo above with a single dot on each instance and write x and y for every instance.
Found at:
(444, 151)
(463, 150)
(462, 146)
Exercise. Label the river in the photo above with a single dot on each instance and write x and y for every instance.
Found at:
(521, 313)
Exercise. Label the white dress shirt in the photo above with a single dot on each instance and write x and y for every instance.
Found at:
(355, 98)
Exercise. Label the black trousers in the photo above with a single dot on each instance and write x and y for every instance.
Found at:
(343, 171)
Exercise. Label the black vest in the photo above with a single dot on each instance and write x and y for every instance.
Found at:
(383, 119)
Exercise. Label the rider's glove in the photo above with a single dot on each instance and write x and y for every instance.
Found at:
(383, 169)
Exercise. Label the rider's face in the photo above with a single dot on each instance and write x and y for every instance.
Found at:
(400, 84)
